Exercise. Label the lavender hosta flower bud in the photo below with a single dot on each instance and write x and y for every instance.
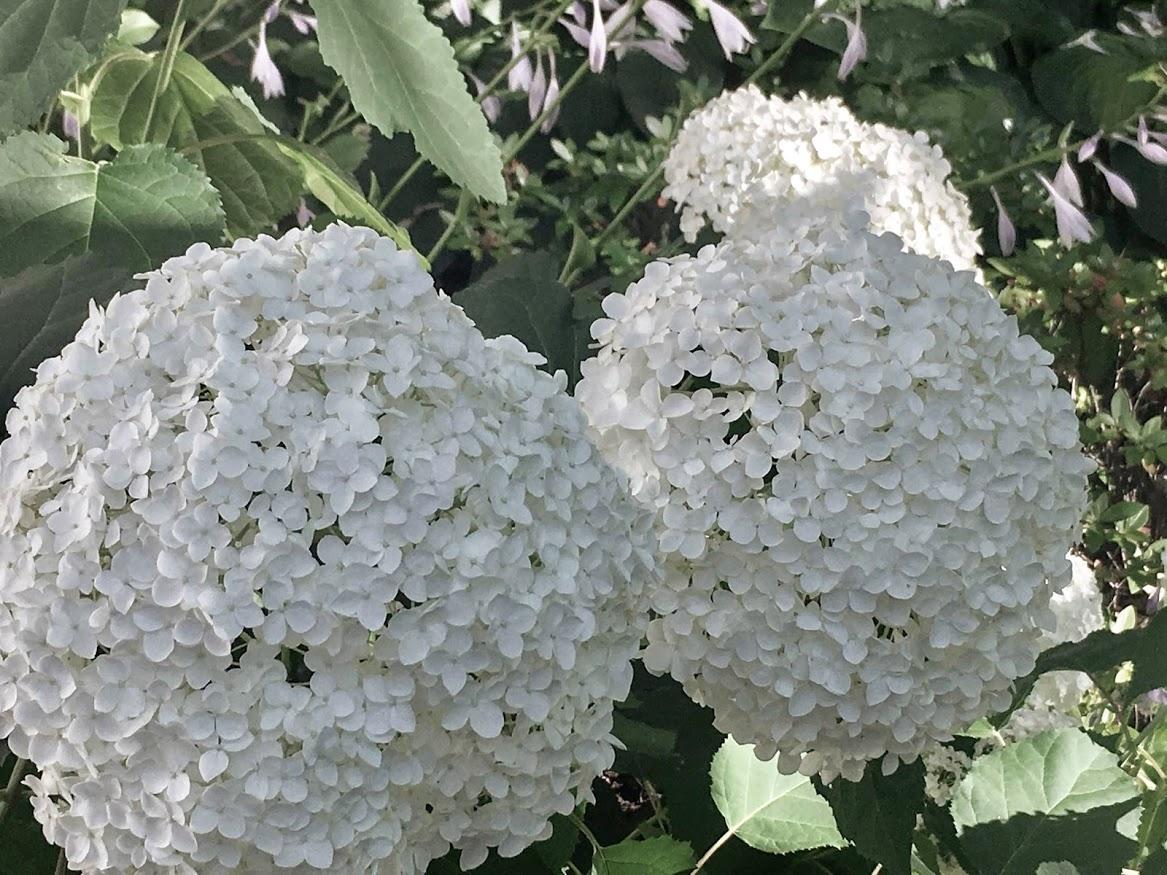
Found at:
(667, 21)
(538, 89)
(551, 100)
(1089, 147)
(856, 49)
(1006, 231)
(304, 216)
(520, 75)
(1119, 187)
(825, 588)
(70, 125)
(1066, 181)
(331, 582)
(1088, 40)
(732, 35)
(461, 10)
(745, 147)
(663, 51)
(1153, 151)
(491, 105)
(1073, 226)
(304, 24)
(263, 68)
(597, 40)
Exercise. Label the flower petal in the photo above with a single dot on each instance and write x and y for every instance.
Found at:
(1006, 231)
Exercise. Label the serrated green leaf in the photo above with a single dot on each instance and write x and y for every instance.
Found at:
(146, 205)
(400, 71)
(42, 308)
(767, 810)
(1054, 797)
(197, 115)
(42, 44)
(877, 813)
(523, 297)
(655, 856)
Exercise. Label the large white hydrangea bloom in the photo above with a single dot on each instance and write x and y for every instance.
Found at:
(1055, 699)
(746, 149)
(864, 478)
(300, 573)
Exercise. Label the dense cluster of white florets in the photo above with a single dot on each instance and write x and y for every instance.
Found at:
(744, 157)
(299, 572)
(1056, 697)
(864, 478)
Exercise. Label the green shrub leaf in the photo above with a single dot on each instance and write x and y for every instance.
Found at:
(42, 44)
(1091, 89)
(878, 813)
(1054, 797)
(146, 205)
(656, 856)
(767, 810)
(401, 74)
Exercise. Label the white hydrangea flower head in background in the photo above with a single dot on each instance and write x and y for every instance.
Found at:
(1056, 697)
(744, 147)
(864, 477)
(300, 573)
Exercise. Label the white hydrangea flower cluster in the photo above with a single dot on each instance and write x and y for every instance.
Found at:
(944, 768)
(1055, 699)
(739, 161)
(300, 573)
(864, 478)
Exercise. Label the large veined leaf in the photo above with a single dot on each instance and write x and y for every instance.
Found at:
(523, 297)
(400, 71)
(42, 44)
(878, 813)
(767, 810)
(1052, 798)
(656, 856)
(146, 205)
(197, 115)
(41, 309)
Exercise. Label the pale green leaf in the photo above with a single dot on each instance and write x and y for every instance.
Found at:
(1056, 797)
(42, 44)
(197, 115)
(146, 205)
(656, 856)
(136, 27)
(401, 74)
(768, 810)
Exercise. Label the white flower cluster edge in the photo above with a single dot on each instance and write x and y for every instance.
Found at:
(299, 572)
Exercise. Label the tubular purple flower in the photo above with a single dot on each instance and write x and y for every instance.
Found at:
(538, 90)
(856, 49)
(461, 10)
(1119, 187)
(491, 106)
(663, 51)
(304, 216)
(579, 12)
(551, 100)
(263, 68)
(669, 22)
(1072, 222)
(733, 36)
(70, 125)
(519, 77)
(1089, 147)
(1006, 231)
(578, 32)
(1088, 40)
(1153, 151)
(1066, 181)
(597, 40)
(305, 24)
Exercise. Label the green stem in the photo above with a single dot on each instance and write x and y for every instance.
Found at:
(234, 41)
(1054, 153)
(338, 123)
(455, 220)
(779, 54)
(169, 53)
(201, 24)
(713, 849)
(401, 182)
(587, 833)
(10, 792)
(568, 86)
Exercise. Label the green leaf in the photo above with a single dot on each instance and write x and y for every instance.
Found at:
(41, 309)
(1094, 90)
(877, 814)
(522, 297)
(767, 810)
(136, 27)
(1121, 510)
(146, 205)
(1054, 797)
(337, 190)
(197, 115)
(656, 856)
(1102, 651)
(42, 44)
(400, 71)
